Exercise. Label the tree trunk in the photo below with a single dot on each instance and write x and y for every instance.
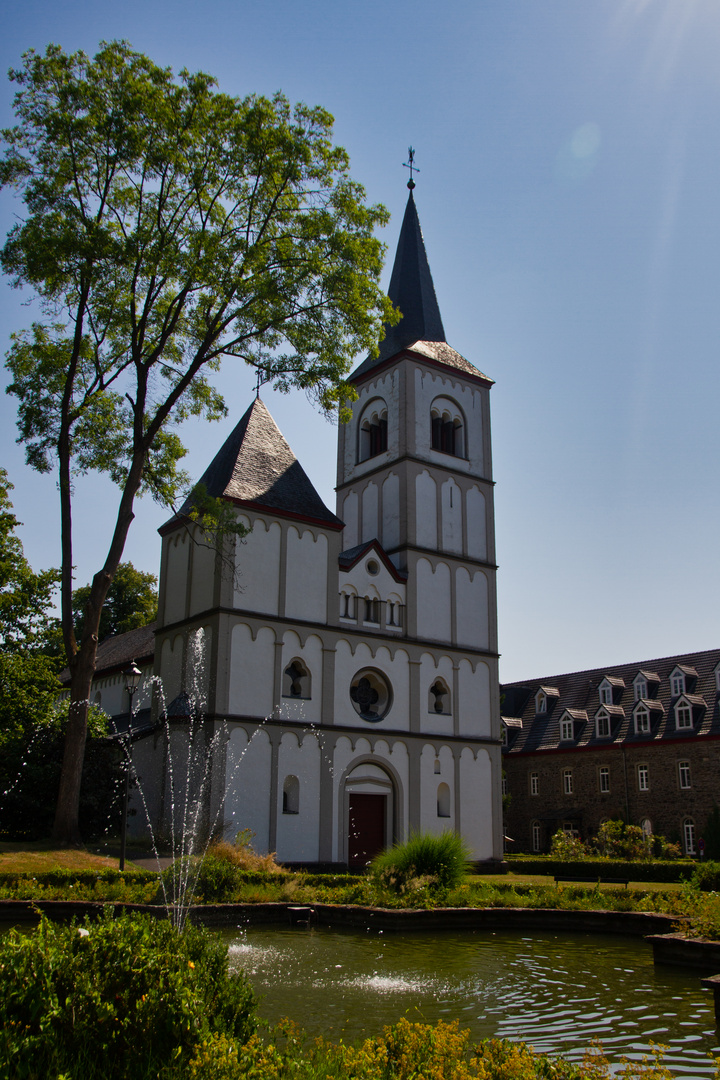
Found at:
(66, 828)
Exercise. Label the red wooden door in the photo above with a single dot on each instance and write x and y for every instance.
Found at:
(366, 831)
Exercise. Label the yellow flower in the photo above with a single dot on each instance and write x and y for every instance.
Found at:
(190, 964)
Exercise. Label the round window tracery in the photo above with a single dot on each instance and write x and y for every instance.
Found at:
(371, 695)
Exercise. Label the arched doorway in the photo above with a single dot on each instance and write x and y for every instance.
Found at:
(369, 809)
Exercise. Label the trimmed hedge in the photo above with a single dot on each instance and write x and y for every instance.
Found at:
(76, 877)
(634, 871)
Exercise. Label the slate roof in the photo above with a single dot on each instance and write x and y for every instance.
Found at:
(579, 691)
(411, 289)
(255, 466)
(116, 652)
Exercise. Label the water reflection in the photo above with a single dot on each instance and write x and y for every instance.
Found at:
(556, 992)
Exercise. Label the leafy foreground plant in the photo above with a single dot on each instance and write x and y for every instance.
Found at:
(125, 997)
(438, 862)
(405, 1051)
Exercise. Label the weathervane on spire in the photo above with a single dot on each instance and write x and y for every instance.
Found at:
(410, 164)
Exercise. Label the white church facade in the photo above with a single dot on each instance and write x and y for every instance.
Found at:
(350, 658)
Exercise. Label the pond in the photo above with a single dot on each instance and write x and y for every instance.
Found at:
(556, 992)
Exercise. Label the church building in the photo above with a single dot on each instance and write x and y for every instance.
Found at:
(348, 661)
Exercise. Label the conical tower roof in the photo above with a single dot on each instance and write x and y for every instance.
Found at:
(413, 292)
(255, 465)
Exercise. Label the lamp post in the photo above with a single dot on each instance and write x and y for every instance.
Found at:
(132, 676)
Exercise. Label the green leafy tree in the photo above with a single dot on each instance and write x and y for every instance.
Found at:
(25, 597)
(167, 226)
(131, 601)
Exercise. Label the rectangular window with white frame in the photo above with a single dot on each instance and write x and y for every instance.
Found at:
(643, 777)
(566, 730)
(536, 836)
(567, 782)
(689, 836)
(534, 783)
(684, 774)
(604, 779)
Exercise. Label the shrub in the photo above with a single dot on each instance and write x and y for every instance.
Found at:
(440, 861)
(707, 877)
(118, 998)
(566, 847)
(242, 854)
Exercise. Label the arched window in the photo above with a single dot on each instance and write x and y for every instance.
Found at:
(373, 430)
(447, 427)
(291, 795)
(646, 826)
(443, 800)
(541, 702)
(372, 610)
(296, 680)
(439, 698)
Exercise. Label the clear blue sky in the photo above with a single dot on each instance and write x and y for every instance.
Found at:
(569, 194)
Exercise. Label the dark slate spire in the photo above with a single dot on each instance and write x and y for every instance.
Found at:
(412, 290)
(256, 465)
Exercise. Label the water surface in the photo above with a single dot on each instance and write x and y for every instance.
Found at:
(554, 991)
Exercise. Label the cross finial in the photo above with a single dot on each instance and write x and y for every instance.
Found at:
(410, 164)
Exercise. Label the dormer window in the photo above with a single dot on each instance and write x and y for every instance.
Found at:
(541, 702)
(683, 715)
(567, 729)
(642, 720)
(447, 427)
(605, 694)
(602, 725)
(640, 687)
(373, 430)
(677, 683)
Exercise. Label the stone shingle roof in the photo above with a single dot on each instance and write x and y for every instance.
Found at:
(116, 652)
(256, 466)
(579, 691)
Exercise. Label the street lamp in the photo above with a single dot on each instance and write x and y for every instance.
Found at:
(132, 676)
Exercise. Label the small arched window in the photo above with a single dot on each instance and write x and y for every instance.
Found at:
(443, 801)
(373, 430)
(291, 795)
(439, 698)
(447, 427)
(296, 680)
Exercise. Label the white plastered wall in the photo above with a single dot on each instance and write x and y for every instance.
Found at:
(298, 835)
(306, 575)
(426, 510)
(203, 573)
(171, 666)
(433, 601)
(428, 386)
(451, 509)
(308, 710)
(430, 721)
(369, 529)
(476, 803)
(349, 514)
(390, 534)
(395, 668)
(476, 524)
(252, 671)
(472, 616)
(387, 387)
(474, 712)
(429, 782)
(247, 783)
(257, 562)
(176, 576)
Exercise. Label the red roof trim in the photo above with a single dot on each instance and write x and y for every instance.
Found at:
(336, 526)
